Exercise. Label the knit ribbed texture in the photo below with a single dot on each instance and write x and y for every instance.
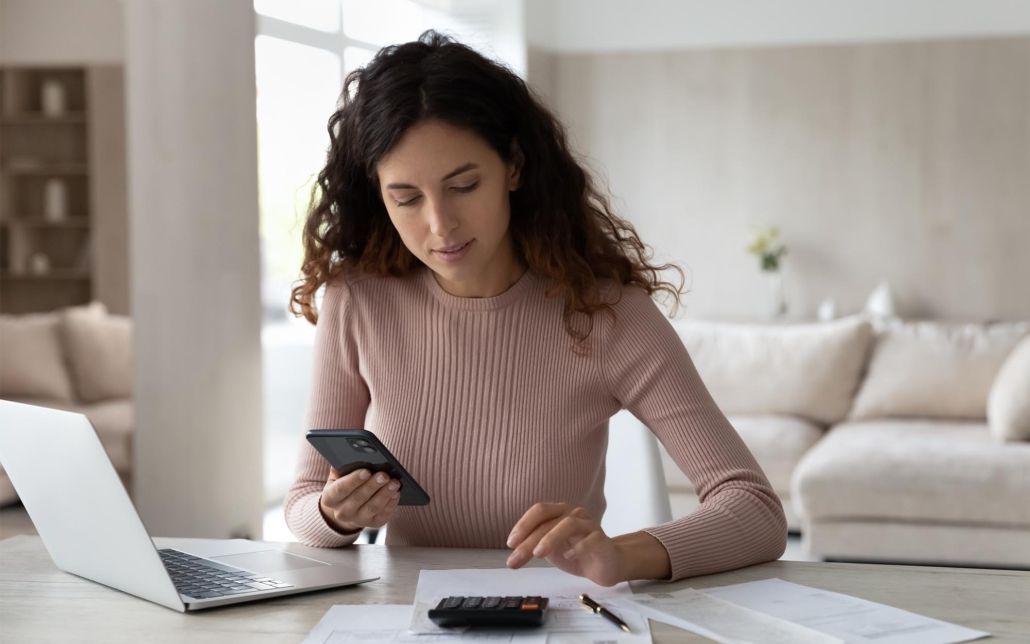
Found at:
(484, 401)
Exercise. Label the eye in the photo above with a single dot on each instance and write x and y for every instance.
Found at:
(468, 188)
(408, 202)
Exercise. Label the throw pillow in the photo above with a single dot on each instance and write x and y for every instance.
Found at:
(99, 350)
(934, 369)
(31, 363)
(806, 370)
(1008, 407)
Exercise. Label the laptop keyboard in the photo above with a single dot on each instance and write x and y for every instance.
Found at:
(203, 579)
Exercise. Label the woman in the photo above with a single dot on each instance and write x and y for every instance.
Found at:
(485, 314)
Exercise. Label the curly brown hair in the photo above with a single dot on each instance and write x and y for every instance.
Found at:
(562, 227)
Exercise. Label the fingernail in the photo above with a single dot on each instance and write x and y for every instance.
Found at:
(512, 539)
(381, 478)
(538, 551)
(395, 485)
(515, 560)
(569, 554)
(364, 475)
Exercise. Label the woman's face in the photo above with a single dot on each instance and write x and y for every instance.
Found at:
(445, 190)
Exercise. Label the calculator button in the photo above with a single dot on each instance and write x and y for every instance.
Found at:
(451, 602)
(491, 602)
(529, 604)
(512, 602)
(472, 602)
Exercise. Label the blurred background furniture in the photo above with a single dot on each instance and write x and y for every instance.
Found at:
(63, 215)
(876, 436)
(75, 359)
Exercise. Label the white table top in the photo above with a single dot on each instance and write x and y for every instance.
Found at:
(39, 603)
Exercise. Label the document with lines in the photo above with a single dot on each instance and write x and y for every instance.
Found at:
(842, 616)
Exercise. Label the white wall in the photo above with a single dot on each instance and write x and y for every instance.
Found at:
(898, 161)
(61, 32)
(570, 26)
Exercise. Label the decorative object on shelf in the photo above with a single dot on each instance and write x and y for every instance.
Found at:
(52, 97)
(766, 246)
(827, 310)
(55, 200)
(881, 302)
(39, 264)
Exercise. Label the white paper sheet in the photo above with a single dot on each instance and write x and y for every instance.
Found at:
(567, 620)
(387, 623)
(849, 618)
(722, 621)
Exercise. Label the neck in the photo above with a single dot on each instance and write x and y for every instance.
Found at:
(492, 281)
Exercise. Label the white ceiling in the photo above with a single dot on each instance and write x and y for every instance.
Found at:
(616, 25)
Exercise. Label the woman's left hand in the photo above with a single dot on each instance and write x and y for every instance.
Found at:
(570, 539)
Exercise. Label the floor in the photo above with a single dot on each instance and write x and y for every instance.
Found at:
(14, 520)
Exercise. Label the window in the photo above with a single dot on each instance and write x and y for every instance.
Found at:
(303, 51)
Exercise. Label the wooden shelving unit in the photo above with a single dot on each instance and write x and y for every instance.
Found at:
(46, 179)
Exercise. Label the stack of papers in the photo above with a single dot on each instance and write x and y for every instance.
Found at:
(382, 623)
(771, 611)
(742, 613)
(567, 621)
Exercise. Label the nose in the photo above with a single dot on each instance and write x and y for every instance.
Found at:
(440, 219)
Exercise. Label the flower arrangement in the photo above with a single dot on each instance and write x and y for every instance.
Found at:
(767, 247)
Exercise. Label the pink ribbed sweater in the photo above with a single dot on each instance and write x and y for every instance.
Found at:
(485, 403)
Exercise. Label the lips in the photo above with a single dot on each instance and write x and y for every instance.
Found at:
(453, 248)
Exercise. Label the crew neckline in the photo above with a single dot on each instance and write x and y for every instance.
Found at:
(514, 293)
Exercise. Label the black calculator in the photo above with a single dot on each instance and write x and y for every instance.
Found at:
(489, 611)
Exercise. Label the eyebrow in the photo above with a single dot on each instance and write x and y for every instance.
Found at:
(453, 173)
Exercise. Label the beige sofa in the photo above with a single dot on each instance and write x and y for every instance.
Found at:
(76, 359)
(876, 436)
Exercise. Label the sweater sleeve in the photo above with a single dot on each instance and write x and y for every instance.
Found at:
(339, 399)
(740, 520)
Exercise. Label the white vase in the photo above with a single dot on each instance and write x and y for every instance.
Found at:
(777, 295)
(55, 200)
(52, 97)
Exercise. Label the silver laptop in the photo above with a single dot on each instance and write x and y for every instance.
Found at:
(89, 526)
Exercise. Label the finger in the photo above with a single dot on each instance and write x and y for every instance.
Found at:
(524, 551)
(384, 515)
(375, 505)
(337, 490)
(351, 505)
(334, 473)
(558, 537)
(534, 516)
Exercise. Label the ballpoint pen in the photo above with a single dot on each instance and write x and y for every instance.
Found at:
(598, 609)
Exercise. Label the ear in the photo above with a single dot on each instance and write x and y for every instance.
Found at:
(515, 166)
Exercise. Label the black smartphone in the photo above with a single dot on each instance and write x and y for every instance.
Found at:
(353, 449)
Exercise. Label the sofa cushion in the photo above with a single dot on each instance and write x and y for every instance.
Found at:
(113, 420)
(1008, 406)
(805, 370)
(916, 470)
(778, 443)
(33, 363)
(934, 370)
(99, 350)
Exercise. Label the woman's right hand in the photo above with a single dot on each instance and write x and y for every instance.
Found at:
(358, 500)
